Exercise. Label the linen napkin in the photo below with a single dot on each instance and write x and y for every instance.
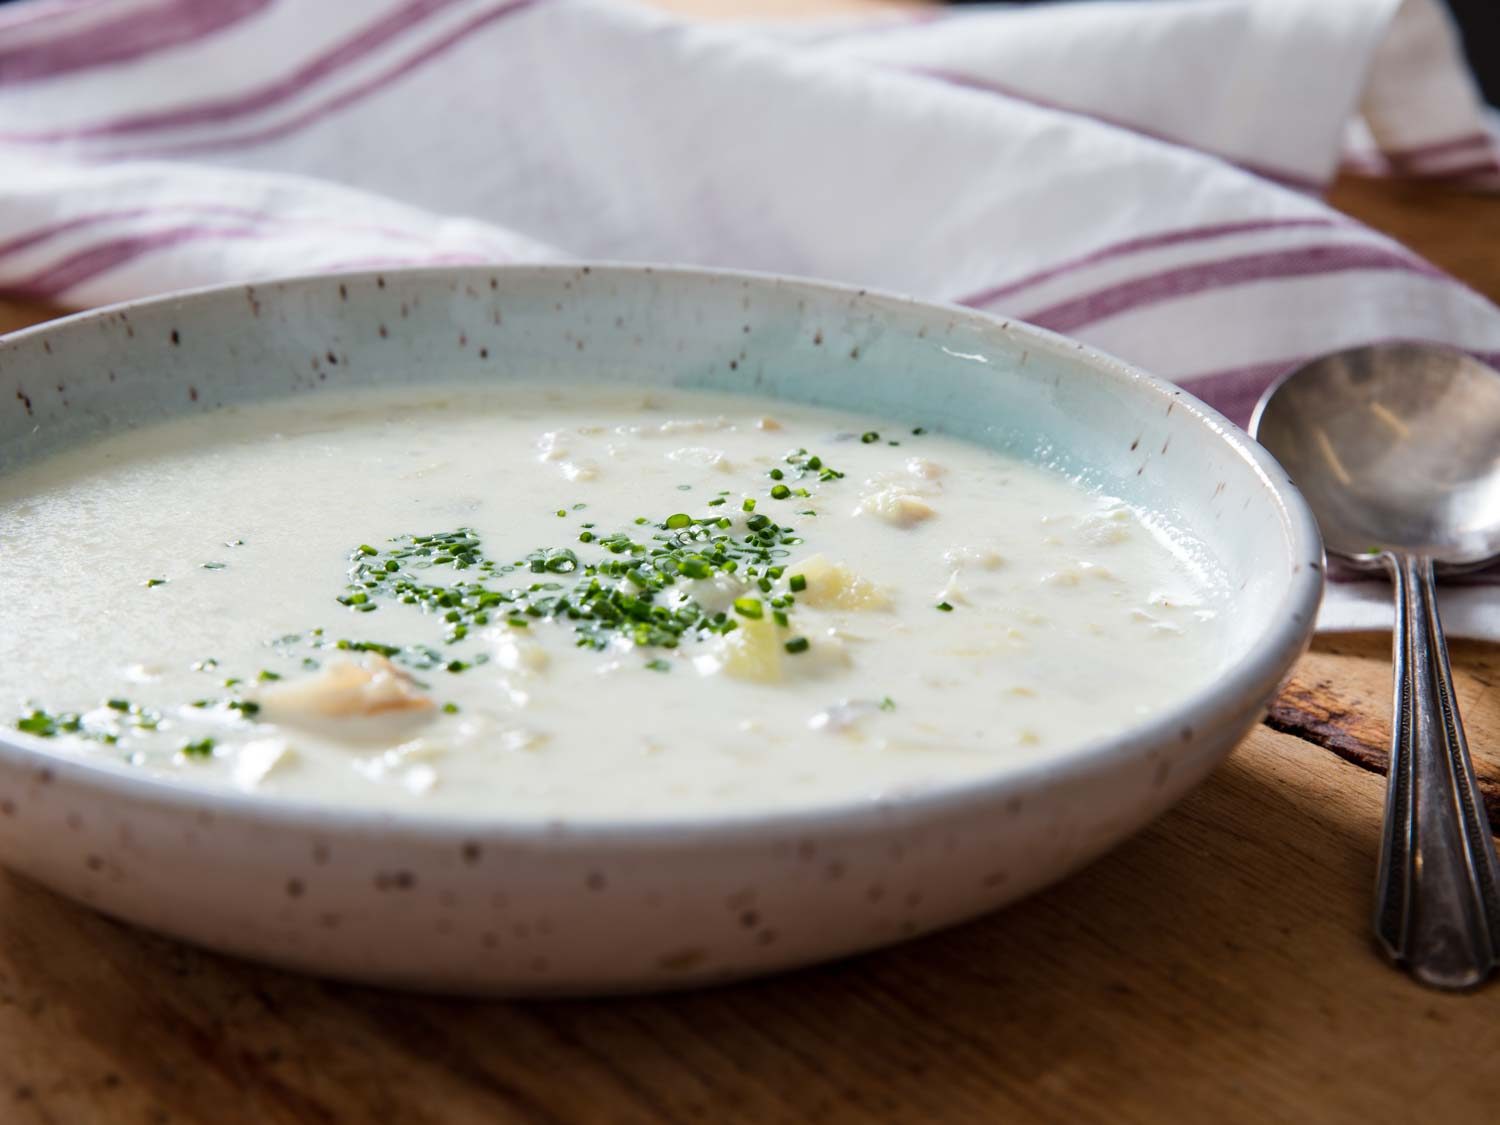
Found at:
(1142, 174)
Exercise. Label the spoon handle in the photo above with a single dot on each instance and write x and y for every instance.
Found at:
(1437, 904)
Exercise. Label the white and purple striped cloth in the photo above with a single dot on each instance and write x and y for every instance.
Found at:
(1142, 174)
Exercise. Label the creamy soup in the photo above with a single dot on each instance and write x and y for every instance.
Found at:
(581, 602)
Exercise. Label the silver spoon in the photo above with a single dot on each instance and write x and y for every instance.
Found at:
(1397, 449)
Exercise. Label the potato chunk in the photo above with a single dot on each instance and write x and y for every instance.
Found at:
(345, 689)
(832, 585)
(897, 506)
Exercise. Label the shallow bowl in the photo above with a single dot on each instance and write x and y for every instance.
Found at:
(491, 906)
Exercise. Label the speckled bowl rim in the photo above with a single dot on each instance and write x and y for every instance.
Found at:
(1270, 656)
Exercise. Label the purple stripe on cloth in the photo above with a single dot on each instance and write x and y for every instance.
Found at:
(1182, 281)
(102, 257)
(44, 234)
(374, 85)
(44, 11)
(1277, 175)
(56, 279)
(136, 32)
(370, 38)
(1234, 391)
(1149, 242)
(261, 218)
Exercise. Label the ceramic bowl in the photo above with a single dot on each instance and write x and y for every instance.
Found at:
(488, 906)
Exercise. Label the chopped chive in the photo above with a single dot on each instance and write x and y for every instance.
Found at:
(450, 708)
(658, 665)
(748, 505)
(203, 748)
(887, 704)
(869, 436)
(797, 583)
(266, 675)
(798, 644)
(150, 582)
(780, 492)
(945, 607)
(749, 607)
(678, 520)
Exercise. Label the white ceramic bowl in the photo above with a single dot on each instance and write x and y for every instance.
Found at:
(486, 905)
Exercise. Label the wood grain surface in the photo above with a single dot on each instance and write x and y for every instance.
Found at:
(1217, 967)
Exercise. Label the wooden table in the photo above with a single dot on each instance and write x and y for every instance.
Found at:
(1216, 967)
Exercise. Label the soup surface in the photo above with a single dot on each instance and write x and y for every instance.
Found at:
(581, 602)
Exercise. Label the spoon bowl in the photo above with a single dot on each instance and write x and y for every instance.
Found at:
(1396, 448)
